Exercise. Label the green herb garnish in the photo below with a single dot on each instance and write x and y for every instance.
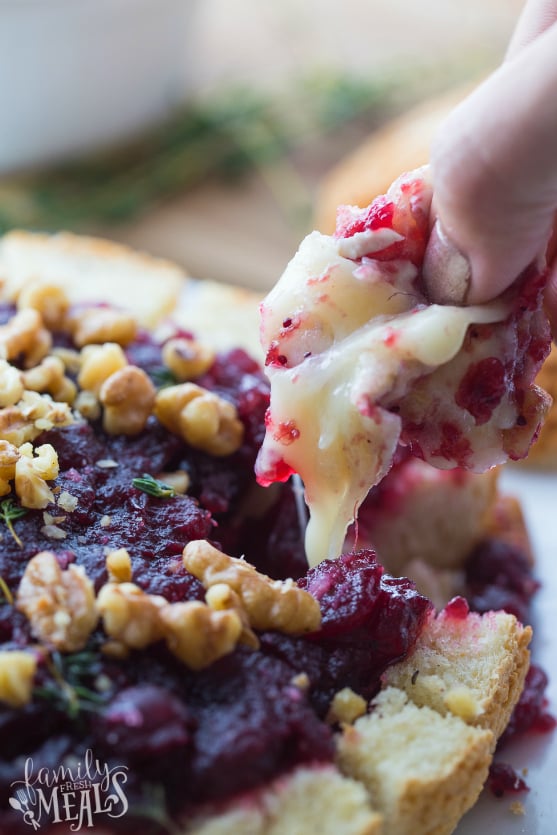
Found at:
(68, 690)
(153, 487)
(5, 592)
(9, 511)
(162, 377)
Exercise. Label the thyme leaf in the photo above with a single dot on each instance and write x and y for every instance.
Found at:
(9, 511)
(153, 487)
(163, 377)
(5, 592)
(67, 690)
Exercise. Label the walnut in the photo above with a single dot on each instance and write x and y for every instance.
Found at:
(9, 456)
(220, 598)
(186, 358)
(32, 472)
(179, 480)
(49, 377)
(17, 671)
(119, 566)
(130, 615)
(50, 300)
(97, 325)
(60, 604)
(71, 358)
(128, 397)
(34, 414)
(98, 362)
(24, 335)
(11, 384)
(197, 634)
(270, 604)
(88, 406)
(201, 418)
(346, 707)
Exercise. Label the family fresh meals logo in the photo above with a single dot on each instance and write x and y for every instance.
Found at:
(73, 794)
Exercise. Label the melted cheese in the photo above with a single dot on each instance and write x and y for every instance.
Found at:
(346, 337)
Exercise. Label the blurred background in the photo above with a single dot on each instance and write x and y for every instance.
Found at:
(204, 130)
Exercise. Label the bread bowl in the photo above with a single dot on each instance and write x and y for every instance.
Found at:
(336, 796)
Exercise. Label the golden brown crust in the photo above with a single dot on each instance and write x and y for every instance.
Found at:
(422, 770)
(474, 668)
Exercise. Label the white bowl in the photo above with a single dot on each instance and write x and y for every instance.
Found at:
(76, 75)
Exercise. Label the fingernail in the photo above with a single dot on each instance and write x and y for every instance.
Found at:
(446, 271)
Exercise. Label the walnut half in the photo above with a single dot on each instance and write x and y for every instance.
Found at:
(270, 604)
(60, 604)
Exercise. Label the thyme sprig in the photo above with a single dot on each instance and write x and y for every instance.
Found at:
(68, 691)
(163, 377)
(153, 807)
(153, 487)
(9, 511)
(5, 592)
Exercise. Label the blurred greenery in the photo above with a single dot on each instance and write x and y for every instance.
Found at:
(224, 135)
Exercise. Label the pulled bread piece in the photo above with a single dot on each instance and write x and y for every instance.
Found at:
(359, 360)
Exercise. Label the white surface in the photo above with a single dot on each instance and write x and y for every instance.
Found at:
(536, 752)
(77, 74)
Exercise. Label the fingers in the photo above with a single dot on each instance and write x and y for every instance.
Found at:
(494, 168)
(536, 17)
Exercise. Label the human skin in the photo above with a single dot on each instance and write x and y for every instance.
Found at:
(494, 170)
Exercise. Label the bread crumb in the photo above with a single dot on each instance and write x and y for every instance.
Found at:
(517, 808)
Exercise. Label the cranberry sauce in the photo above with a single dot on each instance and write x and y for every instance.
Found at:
(189, 737)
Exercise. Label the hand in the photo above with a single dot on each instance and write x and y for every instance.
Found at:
(494, 169)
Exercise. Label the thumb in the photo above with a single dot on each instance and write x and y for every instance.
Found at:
(494, 170)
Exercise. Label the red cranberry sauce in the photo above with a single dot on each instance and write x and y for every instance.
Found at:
(503, 779)
(205, 736)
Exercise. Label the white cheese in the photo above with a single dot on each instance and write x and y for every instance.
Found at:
(345, 337)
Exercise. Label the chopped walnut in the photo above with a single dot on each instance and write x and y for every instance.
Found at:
(346, 707)
(17, 672)
(32, 472)
(97, 325)
(71, 358)
(128, 397)
(34, 414)
(11, 384)
(98, 363)
(24, 335)
(201, 418)
(88, 406)
(221, 597)
(186, 358)
(130, 615)
(270, 604)
(67, 502)
(197, 634)
(50, 300)
(60, 604)
(9, 456)
(49, 377)
(179, 480)
(119, 566)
